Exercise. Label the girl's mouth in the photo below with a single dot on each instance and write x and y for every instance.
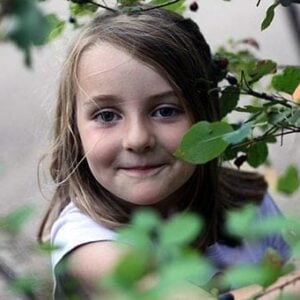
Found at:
(142, 171)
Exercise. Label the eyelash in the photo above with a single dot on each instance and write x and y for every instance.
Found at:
(175, 111)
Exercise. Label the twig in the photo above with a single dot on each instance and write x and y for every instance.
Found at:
(268, 97)
(161, 5)
(258, 139)
(280, 287)
(102, 6)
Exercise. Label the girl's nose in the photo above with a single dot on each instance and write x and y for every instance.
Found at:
(138, 137)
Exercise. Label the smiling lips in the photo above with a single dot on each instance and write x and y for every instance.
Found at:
(142, 171)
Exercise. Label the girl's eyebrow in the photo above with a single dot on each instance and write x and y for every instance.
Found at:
(113, 98)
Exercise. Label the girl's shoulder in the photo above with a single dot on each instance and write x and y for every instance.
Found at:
(72, 229)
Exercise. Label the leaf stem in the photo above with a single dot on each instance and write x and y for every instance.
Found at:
(280, 287)
(161, 5)
(265, 136)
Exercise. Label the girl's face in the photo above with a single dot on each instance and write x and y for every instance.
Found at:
(130, 122)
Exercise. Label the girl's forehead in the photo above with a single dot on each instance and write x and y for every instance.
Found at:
(102, 57)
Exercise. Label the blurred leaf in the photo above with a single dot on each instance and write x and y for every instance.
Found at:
(246, 275)
(57, 26)
(269, 16)
(146, 219)
(145, 223)
(127, 3)
(257, 154)
(265, 273)
(14, 221)
(47, 247)
(190, 267)
(29, 26)
(229, 99)
(203, 142)
(289, 182)
(129, 269)
(24, 284)
(261, 69)
(239, 221)
(178, 7)
(82, 9)
(239, 135)
(182, 229)
(287, 81)
(134, 236)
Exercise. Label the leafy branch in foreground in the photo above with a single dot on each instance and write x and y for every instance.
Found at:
(270, 116)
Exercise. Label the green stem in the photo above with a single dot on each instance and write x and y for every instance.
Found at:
(264, 136)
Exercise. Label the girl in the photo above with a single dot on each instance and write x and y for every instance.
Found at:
(131, 86)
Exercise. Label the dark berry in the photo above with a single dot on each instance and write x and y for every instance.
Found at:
(72, 20)
(227, 296)
(232, 80)
(222, 63)
(194, 6)
(240, 160)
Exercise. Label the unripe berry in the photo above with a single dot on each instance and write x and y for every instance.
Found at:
(194, 6)
(296, 94)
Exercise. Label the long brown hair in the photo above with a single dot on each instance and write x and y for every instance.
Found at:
(176, 48)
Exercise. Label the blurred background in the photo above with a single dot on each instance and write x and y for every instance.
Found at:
(28, 96)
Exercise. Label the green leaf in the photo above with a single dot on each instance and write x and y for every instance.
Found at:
(28, 27)
(257, 154)
(243, 275)
(189, 267)
(249, 109)
(47, 247)
(127, 3)
(265, 273)
(178, 7)
(136, 237)
(14, 221)
(57, 26)
(239, 221)
(269, 16)
(261, 69)
(203, 142)
(180, 230)
(129, 269)
(24, 284)
(146, 219)
(294, 119)
(229, 99)
(289, 182)
(82, 9)
(238, 135)
(287, 81)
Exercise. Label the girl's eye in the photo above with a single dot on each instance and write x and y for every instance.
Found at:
(167, 112)
(107, 116)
